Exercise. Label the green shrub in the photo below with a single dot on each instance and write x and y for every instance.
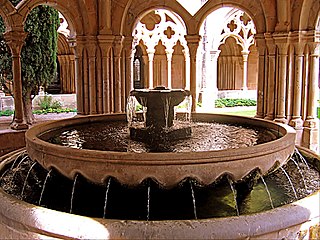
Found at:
(227, 102)
(47, 103)
(54, 110)
(6, 112)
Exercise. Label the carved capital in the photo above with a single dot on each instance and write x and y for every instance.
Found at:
(299, 48)
(117, 45)
(261, 44)
(270, 44)
(314, 49)
(105, 42)
(15, 40)
(193, 44)
(282, 42)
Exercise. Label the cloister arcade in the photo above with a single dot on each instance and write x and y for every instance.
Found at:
(105, 35)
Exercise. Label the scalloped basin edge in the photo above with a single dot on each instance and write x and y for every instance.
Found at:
(167, 169)
(20, 220)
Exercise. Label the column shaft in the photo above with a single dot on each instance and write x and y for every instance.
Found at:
(169, 64)
(282, 78)
(296, 120)
(150, 59)
(270, 88)
(15, 41)
(245, 55)
(261, 46)
(193, 43)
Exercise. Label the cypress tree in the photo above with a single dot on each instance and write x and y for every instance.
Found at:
(38, 55)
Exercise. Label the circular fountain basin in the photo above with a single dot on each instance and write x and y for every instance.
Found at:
(21, 220)
(167, 168)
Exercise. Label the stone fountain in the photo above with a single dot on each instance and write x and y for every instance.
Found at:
(158, 124)
(166, 169)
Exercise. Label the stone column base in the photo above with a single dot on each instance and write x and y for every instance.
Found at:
(310, 139)
(18, 125)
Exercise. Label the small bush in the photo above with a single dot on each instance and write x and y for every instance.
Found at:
(6, 112)
(47, 103)
(54, 110)
(227, 102)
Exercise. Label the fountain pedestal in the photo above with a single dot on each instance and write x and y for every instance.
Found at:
(159, 127)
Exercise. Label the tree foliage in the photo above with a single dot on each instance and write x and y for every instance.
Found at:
(38, 55)
(39, 52)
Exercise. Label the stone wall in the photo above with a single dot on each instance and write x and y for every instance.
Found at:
(66, 100)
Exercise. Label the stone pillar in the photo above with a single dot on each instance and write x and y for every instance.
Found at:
(311, 128)
(270, 87)
(289, 100)
(187, 67)
(245, 55)
(129, 51)
(92, 78)
(77, 47)
(105, 43)
(169, 53)
(296, 120)
(117, 45)
(282, 44)
(193, 44)
(15, 40)
(210, 91)
(261, 47)
(150, 59)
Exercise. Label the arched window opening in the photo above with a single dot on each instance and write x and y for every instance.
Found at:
(160, 34)
(227, 58)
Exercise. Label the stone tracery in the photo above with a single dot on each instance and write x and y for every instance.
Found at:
(169, 30)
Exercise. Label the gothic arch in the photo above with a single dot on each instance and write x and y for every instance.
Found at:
(77, 16)
(252, 8)
(310, 12)
(135, 11)
(5, 11)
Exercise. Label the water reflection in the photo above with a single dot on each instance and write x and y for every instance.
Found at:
(115, 137)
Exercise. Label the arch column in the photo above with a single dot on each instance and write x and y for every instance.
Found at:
(193, 44)
(270, 87)
(150, 59)
(261, 47)
(15, 40)
(311, 127)
(187, 67)
(296, 120)
(129, 55)
(105, 43)
(77, 47)
(169, 53)
(282, 44)
(92, 77)
(117, 45)
(245, 55)
(210, 90)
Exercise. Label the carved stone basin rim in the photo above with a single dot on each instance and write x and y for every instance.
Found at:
(168, 169)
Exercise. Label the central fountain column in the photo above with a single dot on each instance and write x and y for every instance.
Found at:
(159, 116)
